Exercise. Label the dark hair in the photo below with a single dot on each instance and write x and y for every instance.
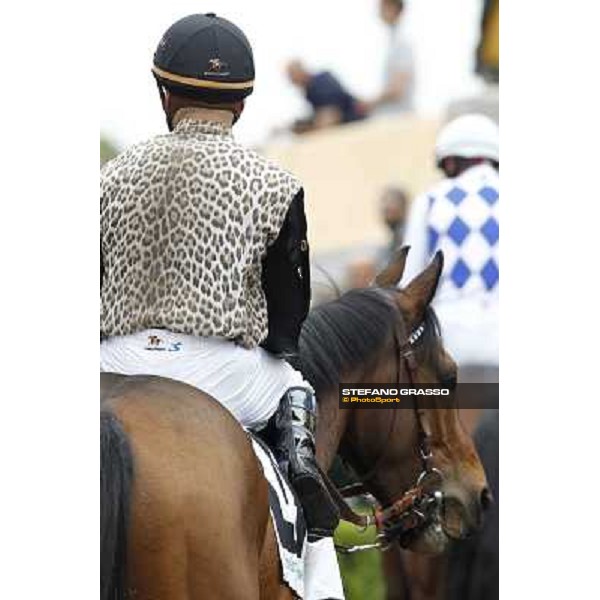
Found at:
(462, 164)
(352, 331)
(399, 4)
(184, 99)
(204, 96)
(398, 194)
(345, 333)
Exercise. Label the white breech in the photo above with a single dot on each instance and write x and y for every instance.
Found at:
(249, 383)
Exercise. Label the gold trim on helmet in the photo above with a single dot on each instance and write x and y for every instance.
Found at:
(202, 83)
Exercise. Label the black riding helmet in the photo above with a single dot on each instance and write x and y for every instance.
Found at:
(207, 58)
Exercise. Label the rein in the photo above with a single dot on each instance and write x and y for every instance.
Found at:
(419, 506)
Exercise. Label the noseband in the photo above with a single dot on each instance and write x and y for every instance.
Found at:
(421, 505)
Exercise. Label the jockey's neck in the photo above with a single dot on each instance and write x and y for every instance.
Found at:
(198, 113)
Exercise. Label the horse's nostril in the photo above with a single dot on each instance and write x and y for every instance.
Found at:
(486, 499)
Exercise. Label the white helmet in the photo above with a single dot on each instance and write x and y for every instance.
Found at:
(469, 136)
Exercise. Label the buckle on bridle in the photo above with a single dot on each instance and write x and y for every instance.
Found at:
(430, 473)
(426, 454)
(415, 509)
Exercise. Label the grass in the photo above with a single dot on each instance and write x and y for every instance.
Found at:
(361, 572)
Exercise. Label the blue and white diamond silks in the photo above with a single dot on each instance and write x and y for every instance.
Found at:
(460, 273)
(463, 222)
(489, 194)
(456, 195)
(458, 231)
(432, 238)
(490, 230)
(490, 274)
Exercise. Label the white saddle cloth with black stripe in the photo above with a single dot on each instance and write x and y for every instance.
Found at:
(309, 569)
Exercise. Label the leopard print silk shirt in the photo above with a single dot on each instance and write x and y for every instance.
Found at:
(186, 219)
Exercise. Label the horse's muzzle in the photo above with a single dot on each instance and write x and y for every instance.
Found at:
(463, 517)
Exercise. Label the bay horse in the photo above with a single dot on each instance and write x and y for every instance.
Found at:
(412, 576)
(184, 505)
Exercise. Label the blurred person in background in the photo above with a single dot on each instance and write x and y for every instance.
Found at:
(488, 54)
(399, 70)
(394, 209)
(360, 274)
(460, 215)
(485, 101)
(331, 103)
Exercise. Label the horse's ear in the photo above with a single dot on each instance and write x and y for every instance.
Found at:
(392, 274)
(418, 294)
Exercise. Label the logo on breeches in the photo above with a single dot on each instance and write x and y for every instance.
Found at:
(157, 344)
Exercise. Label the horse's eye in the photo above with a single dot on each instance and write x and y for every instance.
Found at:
(450, 381)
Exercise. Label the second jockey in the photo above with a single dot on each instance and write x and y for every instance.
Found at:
(204, 257)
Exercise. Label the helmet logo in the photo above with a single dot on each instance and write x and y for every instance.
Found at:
(216, 66)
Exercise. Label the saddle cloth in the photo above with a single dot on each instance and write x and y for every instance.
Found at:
(288, 519)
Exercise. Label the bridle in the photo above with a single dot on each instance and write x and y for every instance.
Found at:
(421, 505)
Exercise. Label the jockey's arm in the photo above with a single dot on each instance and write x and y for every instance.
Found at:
(286, 283)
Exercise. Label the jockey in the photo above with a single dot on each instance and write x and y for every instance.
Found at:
(460, 216)
(204, 257)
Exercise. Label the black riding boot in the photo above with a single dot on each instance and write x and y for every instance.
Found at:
(295, 424)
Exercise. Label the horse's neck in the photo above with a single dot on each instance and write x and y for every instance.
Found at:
(333, 421)
(330, 428)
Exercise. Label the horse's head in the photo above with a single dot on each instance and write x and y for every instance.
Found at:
(386, 447)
